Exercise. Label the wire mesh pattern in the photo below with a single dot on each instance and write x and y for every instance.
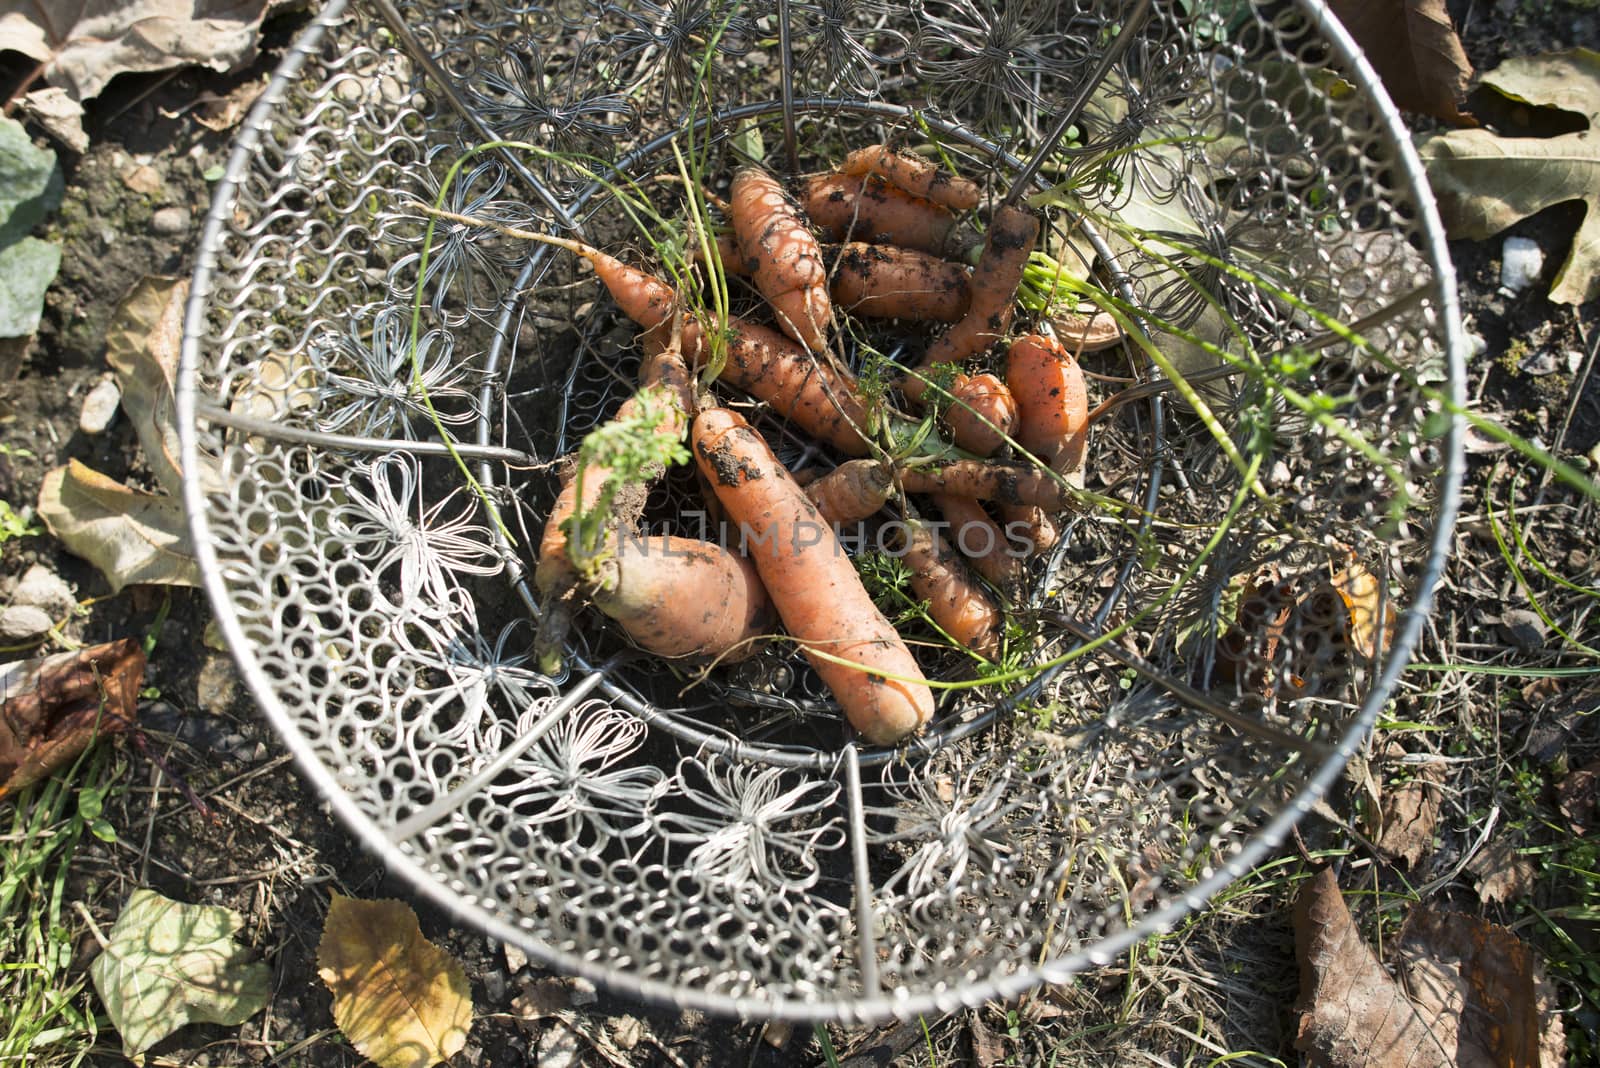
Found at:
(1202, 649)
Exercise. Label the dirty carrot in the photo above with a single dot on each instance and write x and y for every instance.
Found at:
(846, 207)
(987, 481)
(1049, 389)
(981, 414)
(1012, 234)
(812, 583)
(980, 540)
(960, 606)
(775, 237)
(887, 282)
(852, 491)
(914, 175)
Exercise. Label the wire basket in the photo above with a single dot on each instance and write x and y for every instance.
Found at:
(1221, 621)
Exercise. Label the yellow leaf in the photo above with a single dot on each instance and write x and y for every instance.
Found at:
(1371, 613)
(401, 1001)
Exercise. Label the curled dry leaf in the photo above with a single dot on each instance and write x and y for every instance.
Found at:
(1088, 333)
(132, 537)
(1577, 798)
(1351, 1012)
(52, 708)
(1503, 873)
(1414, 48)
(399, 999)
(83, 44)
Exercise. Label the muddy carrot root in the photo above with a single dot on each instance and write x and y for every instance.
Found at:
(987, 481)
(914, 175)
(852, 491)
(886, 282)
(981, 415)
(1030, 525)
(799, 386)
(847, 207)
(812, 583)
(980, 540)
(775, 236)
(1012, 234)
(960, 605)
(1054, 403)
(681, 597)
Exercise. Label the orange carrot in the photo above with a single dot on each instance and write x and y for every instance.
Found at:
(987, 481)
(981, 413)
(980, 539)
(816, 590)
(960, 606)
(886, 282)
(847, 207)
(809, 392)
(1030, 525)
(775, 236)
(914, 175)
(640, 583)
(1049, 388)
(1012, 234)
(852, 491)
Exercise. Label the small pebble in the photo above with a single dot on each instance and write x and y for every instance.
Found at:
(21, 622)
(1524, 629)
(1541, 363)
(170, 222)
(1574, 360)
(1476, 344)
(583, 993)
(558, 1047)
(627, 1032)
(1521, 260)
(44, 589)
(100, 407)
(516, 960)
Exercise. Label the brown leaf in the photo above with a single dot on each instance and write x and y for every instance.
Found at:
(401, 1001)
(222, 113)
(52, 708)
(1414, 48)
(83, 44)
(1351, 1012)
(1371, 613)
(1503, 873)
(542, 998)
(1410, 811)
(1577, 795)
(988, 1048)
(1473, 981)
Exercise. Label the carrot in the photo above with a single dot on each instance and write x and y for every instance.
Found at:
(914, 175)
(852, 491)
(887, 282)
(1030, 525)
(1012, 234)
(682, 597)
(816, 590)
(775, 236)
(847, 207)
(981, 413)
(1049, 389)
(809, 392)
(960, 606)
(987, 481)
(980, 539)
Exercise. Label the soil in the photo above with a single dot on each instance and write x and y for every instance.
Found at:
(266, 844)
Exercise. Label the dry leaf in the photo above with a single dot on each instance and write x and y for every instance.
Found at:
(1371, 612)
(142, 346)
(1503, 873)
(542, 998)
(131, 537)
(1576, 798)
(1473, 982)
(52, 708)
(1410, 811)
(59, 115)
(168, 964)
(1484, 183)
(83, 44)
(222, 113)
(1351, 1012)
(401, 1001)
(1414, 48)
